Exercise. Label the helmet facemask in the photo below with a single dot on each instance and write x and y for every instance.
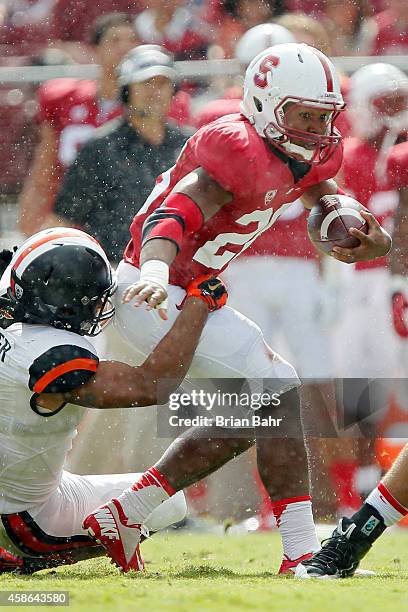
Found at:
(390, 110)
(84, 314)
(310, 147)
(103, 310)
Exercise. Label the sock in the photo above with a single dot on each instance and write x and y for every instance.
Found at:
(369, 524)
(385, 503)
(294, 520)
(139, 500)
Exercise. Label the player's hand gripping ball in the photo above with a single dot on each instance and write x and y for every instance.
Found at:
(331, 218)
(210, 289)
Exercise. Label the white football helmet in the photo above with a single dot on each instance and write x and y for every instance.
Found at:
(260, 37)
(301, 75)
(378, 99)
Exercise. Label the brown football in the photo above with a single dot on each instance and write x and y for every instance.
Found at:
(331, 218)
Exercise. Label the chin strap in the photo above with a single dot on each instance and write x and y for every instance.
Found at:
(298, 150)
(12, 311)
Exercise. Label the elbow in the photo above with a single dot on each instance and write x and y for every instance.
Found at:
(149, 399)
(159, 391)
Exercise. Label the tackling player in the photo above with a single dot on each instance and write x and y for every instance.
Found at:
(56, 291)
(231, 182)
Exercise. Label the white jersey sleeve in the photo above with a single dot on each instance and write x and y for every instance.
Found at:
(37, 359)
(46, 360)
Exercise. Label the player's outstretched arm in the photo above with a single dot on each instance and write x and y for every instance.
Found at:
(194, 200)
(118, 385)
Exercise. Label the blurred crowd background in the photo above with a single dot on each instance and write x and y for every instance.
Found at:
(329, 319)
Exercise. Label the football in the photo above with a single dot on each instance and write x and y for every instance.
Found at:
(331, 218)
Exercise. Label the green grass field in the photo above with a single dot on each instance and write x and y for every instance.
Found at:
(214, 573)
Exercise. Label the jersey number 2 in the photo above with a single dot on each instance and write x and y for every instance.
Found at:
(207, 254)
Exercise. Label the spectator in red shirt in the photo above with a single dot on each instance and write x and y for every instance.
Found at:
(176, 25)
(240, 16)
(73, 19)
(387, 32)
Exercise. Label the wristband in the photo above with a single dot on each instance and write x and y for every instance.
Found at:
(157, 272)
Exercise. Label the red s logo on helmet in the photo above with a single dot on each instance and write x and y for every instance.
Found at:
(268, 62)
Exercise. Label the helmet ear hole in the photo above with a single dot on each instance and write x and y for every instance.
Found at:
(258, 105)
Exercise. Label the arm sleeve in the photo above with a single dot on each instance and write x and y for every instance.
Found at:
(61, 369)
(227, 154)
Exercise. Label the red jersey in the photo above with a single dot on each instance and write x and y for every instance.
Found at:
(377, 193)
(290, 238)
(263, 184)
(186, 34)
(72, 108)
(389, 36)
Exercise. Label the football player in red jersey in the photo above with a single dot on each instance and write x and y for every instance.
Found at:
(231, 182)
(284, 267)
(69, 111)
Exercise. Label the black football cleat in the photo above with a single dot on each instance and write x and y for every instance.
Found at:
(339, 556)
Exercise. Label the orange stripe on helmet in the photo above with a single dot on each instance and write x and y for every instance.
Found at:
(67, 233)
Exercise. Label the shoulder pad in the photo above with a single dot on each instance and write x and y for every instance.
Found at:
(228, 149)
(62, 368)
